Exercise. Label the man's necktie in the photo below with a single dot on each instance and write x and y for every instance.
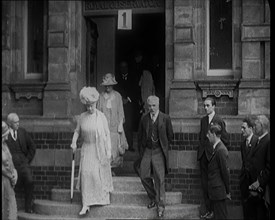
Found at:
(247, 142)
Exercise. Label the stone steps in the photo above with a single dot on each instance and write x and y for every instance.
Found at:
(130, 198)
(128, 201)
(66, 209)
(125, 183)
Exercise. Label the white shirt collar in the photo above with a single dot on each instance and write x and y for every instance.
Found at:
(155, 116)
(214, 145)
(249, 137)
(264, 134)
(210, 116)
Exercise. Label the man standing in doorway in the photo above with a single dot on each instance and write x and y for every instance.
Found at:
(126, 87)
(154, 137)
(22, 149)
(205, 151)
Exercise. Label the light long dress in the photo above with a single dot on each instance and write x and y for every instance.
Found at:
(112, 107)
(95, 177)
(147, 87)
(9, 207)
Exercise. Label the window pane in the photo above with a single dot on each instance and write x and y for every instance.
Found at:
(35, 37)
(220, 34)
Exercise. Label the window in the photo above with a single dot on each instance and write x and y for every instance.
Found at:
(219, 38)
(35, 39)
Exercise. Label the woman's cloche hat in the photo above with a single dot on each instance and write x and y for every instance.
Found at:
(109, 80)
(88, 95)
(5, 129)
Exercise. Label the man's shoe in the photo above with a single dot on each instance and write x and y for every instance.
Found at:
(203, 216)
(151, 205)
(210, 215)
(29, 211)
(160, 212)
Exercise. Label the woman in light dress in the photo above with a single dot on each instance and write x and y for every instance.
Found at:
(95, 178)
(9, 179)
(110, 103)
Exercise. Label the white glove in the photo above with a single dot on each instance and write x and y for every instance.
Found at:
(73, 146)
(120, 127)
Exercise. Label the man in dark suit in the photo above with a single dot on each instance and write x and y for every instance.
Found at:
(127, 87)
(258, 166)
(250, 141)
(205, 150)
(22, 149)
(154, 136)
(218, 173)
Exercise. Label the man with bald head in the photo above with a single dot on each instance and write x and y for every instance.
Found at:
(22, 149)
(155, 134)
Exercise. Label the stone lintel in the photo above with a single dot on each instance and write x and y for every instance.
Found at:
(111, 7)
(256, 32)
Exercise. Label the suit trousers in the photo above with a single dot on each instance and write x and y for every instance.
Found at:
(204, 182)
(220, 209)
(25, 180)
(254, 210)
(153, 161)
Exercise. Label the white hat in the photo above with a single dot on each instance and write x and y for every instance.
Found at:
(88, 95)
(109, 80)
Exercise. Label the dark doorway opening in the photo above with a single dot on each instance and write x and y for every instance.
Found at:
(148, 36)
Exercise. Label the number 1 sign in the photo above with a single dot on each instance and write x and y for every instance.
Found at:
(124, 19)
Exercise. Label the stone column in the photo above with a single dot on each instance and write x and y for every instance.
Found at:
(254, 89)
(183, 98)
(56, 100)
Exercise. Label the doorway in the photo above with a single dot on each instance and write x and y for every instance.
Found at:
(107, 47)
(148, 36)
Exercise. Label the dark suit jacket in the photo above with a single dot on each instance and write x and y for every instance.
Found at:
(259, 161)
(204, 145)
(165, 130)
(246, 170)
(218, 173)
(26, 143)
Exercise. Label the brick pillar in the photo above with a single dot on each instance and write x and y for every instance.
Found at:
(56, 100)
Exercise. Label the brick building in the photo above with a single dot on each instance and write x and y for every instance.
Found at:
(51, 50)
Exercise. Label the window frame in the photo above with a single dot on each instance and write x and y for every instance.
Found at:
(33, 75)
(217, 72)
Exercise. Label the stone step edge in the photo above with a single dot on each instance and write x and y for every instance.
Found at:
(114, 192)
(27, 216)
(62, 203)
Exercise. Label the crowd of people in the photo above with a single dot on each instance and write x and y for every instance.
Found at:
(106, 128)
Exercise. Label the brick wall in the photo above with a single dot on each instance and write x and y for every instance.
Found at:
(185, 180)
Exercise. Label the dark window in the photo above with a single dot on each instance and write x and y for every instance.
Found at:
(220, 34)
(36, 50)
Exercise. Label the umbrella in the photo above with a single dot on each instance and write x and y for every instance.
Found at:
(72, 180)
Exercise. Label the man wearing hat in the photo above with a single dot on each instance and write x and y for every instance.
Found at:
(154, 137)
(22, 149)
